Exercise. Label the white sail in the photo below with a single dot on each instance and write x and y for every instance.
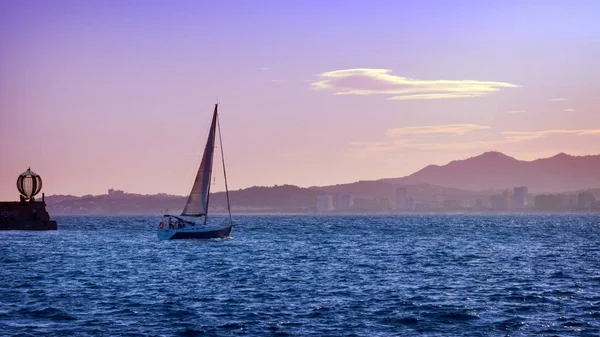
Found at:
(197, 203)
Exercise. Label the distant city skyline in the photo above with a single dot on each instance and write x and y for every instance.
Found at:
(348, 199)
(114, 94)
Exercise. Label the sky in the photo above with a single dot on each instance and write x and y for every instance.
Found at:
(119, 94)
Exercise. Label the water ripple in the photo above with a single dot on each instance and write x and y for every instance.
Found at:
(307, 276)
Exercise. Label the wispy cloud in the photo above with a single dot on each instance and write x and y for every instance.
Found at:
(528, 135)
(557, 99)
(366, 81)
(278, 81)
(516, 111)
(457, 129)
(436, 96)
(569, 110)
(265, 68)
(365, 149)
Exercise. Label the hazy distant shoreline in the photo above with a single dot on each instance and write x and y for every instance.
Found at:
(532, 212)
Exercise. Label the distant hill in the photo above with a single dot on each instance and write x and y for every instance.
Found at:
(284, 198)
(494, 170)
(257, 199)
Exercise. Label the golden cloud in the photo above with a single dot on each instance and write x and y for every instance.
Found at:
(366, 81)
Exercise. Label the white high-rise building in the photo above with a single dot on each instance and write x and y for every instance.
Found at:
(324, 203)
(343, 202)
(520, 197)
(401, 199)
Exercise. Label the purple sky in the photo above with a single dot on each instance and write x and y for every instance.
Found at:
(118, 94)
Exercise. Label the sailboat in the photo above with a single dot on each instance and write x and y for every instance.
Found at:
(174, 227)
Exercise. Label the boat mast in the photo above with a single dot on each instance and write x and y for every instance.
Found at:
(224, 172)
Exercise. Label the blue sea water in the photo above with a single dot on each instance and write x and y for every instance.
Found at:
(430, 275)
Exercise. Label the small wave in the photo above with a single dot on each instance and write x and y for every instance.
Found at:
(453, 316)
(526, 298)
(275, 330)
(24, 286)
(179, 313)
(191, 333)
(203, 299)
(316, 312)
(458, 316)
(560, 293)
(572, 324)
(290, 323)
(521, 308)
(48, 313)
(510, 324)
(559, 275)
(550, 331)
(401, 320)
(127, 311)
(237, 325)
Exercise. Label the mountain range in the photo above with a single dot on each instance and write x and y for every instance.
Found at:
(469, 179)
(495, 170)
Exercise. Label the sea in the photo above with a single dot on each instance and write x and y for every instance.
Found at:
(283, 275)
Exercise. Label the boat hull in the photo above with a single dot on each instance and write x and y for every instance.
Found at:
(192, 233)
